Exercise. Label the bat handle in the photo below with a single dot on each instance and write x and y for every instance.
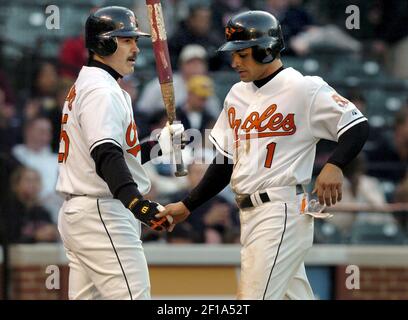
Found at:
(181, 170)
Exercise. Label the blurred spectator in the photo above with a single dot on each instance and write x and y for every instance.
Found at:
(5, 87)
(196, 29)
(45, 97)
(324, 38)
(27, 221)
(72, 56)
(301, 33)
(183, 233)
(360, 188)
(389, 160)
(36, 154)
(45, 82)
(7, 165)
(192, 61)
(293, 18)
(401, 191)
(401, 134)
(382, 28)
(192, 113)
(392, 34)
(10, 125)
(216, 221)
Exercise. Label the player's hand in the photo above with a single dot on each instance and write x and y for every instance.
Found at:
(178, 211)
(145, 211)
(328, 185)
(169, 135)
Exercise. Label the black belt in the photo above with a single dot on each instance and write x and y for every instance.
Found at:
(245, 201)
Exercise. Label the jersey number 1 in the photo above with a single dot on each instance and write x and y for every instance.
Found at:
(270, 150)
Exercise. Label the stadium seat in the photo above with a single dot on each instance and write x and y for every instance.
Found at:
(349, 69)
(369, 233)
(307, 66)
(327, 233)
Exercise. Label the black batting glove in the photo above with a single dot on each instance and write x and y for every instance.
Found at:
(145, 211)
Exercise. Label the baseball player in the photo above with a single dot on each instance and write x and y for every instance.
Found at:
(100, 168)
(269, 128)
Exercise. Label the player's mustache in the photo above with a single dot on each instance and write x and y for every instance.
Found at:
(132, 57)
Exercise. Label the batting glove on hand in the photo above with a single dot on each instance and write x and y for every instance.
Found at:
(170, 134)
(145, 211)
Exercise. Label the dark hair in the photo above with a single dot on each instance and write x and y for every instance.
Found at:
(39, 65)
(28, 123)
(192, 9)
(17, 174)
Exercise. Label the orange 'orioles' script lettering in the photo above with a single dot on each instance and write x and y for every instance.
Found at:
(131, 139)
(268, 124)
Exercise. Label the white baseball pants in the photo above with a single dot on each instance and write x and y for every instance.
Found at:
(102, 242)
(275, 238)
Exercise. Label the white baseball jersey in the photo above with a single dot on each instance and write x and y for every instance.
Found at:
(271, 132)
(96, 111)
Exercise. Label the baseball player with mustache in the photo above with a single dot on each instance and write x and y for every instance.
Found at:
(101, 173)
(266, 138)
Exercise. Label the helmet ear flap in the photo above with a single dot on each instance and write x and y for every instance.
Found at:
(106, 46)
(268, 53)
(262, 55)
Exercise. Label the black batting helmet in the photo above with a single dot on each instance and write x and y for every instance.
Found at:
(105, 24)
(257, 29)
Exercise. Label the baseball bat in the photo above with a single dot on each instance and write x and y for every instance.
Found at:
(164, 71)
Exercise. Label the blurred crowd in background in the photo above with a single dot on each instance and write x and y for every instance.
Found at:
(368, 65)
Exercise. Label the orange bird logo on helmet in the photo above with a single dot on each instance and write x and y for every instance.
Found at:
(229, 31)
